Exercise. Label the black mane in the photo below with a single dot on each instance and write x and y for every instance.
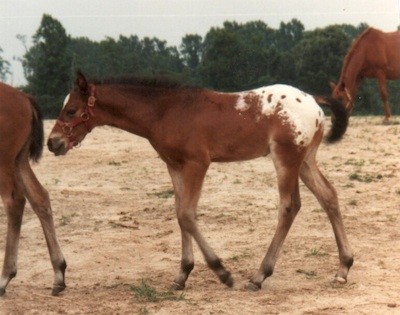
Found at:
(153, 82)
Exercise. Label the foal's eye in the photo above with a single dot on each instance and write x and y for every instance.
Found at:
(71, 112)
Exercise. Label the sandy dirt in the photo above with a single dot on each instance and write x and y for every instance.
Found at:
(115, 221)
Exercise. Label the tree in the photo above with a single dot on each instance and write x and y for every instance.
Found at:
(239, 56)
(47, 65)
(318, 58)
(4, 67)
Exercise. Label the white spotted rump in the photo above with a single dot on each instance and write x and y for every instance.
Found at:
(292, 105)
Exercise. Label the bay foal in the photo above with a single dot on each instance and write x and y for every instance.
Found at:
(21, 139)
(192, 127)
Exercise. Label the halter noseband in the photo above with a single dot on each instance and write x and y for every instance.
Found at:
(67, 127)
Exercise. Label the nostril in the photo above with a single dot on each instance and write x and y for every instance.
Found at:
(56, 146)
(50, 144)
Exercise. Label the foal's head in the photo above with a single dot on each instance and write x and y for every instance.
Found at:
(342, 94)
(74, 121)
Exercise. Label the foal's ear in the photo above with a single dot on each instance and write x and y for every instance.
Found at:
(332, 85)
(80, 83)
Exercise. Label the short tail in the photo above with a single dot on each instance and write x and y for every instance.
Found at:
(340, 119)
(37, 132)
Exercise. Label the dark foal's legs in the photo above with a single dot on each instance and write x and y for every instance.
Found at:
(14, 203)
(40, 202)
(289, 206)
(188, 180)
(327, 197)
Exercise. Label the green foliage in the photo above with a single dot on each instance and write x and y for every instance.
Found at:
(319, 58)
(4, 67)
(47, 65)
(233, 57)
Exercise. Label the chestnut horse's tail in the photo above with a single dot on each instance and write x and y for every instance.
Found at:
(37, 132)
(340, 118)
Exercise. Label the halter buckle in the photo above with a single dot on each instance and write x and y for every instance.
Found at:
(67, 129)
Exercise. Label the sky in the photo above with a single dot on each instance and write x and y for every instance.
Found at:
(170, 20)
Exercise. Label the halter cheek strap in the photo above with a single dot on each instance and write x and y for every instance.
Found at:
(84, 118)
(350, 99)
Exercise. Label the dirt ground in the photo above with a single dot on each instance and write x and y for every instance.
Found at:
(114, 214)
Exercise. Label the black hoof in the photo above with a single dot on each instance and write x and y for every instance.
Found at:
(228, 280)
(250, 286)
(57, 290)
(177, 287)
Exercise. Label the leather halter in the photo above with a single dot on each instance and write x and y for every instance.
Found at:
(350, 99)
(84, 118)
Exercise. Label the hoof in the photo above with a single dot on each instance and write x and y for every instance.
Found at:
(57, 290)
(340, 280)
(177, 287)
(228, 280)
(250, 286)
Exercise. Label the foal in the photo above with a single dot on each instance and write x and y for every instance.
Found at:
(21, 139)
(192, 127)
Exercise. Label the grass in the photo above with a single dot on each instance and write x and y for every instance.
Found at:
(316, 252)
(367, 178)
(163, 194)
(309, 274)
(144, 292)
(66, 219)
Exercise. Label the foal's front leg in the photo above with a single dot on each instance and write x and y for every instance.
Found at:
(188, 181)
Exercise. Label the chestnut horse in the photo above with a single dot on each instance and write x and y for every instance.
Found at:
(21, 139)
(190, 127)
(374, 54)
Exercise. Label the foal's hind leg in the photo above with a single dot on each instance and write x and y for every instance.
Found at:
(289, 206)
(187, 182)
(40, 202)
(327, 197)
(14, 202)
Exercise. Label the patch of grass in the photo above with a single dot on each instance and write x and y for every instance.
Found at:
(239, 256)
(163, 194)
(355, 162)
(146, 293)
(66, 219)
(316, 252)
(367, 178)
(309, 274)
(353, 202)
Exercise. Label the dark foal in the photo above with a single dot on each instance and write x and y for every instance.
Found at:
(192, 127)
(21, 139)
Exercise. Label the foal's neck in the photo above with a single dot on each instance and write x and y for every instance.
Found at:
(121, 108)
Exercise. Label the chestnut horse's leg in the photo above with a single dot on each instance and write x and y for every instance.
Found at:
(14, 203)
(188, 180)
(289, 206)
(40, 202)
(327, 197)
(384, 95)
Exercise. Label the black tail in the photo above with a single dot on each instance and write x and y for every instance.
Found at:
(37, 132)
(340, 119)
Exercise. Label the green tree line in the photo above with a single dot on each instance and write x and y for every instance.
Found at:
(233, 57)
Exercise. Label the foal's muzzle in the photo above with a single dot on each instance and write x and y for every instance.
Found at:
(57, 146)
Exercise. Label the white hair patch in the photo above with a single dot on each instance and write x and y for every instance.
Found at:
(66, 100)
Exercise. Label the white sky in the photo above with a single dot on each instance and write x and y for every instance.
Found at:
(170, 20)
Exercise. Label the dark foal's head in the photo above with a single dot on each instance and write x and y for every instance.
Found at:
(74, 121)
